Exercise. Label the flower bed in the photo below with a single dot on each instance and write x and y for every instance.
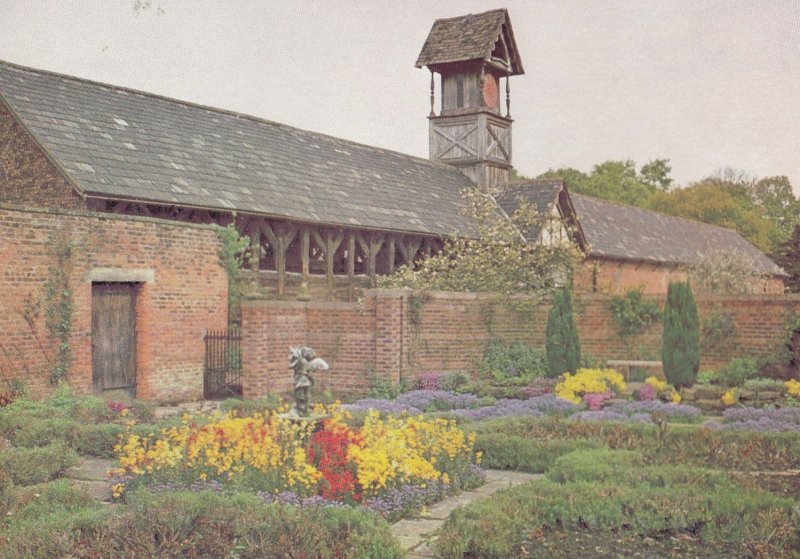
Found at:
(761, 419)
(536, 406)
(287, 461)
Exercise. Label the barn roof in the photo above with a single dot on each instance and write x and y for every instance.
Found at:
(629, 233)
(469, 37)
(541, 194)
(114, 142)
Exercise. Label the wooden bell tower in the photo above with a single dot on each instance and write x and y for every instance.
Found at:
(472, 54)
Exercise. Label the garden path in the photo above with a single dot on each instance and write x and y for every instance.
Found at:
(416, 534)
(92, 473)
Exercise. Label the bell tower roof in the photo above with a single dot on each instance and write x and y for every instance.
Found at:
(485, 37)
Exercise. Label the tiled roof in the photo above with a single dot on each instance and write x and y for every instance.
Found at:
(118, 143)
(542, 194)
(629, 233)
(470, 37)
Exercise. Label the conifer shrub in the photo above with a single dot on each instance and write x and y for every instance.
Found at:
(680, 347)
(562, 345)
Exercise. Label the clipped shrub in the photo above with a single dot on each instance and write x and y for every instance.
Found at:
(33, 432)
(508, 452)
(497, 527)
(736, 371)
(563, 346)
(760, 384)
(513, 362)
(680, 346)
(97, 439)
(27, 466)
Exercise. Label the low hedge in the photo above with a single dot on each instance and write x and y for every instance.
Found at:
(664, 500)
(209, 525)
(679, 444)
(509, 452)
(28, 466)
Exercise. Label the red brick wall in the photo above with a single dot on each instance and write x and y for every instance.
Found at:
(395, 334)
(26, 175)
(618, 276)
(186, 294)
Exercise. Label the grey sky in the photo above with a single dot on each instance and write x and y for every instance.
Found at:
(705, 84)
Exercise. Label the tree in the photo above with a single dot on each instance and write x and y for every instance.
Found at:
(774, 197)
(656, 174)
(680, 346)
(497, 258)
(719, 201)
(562, 344)
(725, 273)
(618, 181)
(787, 256)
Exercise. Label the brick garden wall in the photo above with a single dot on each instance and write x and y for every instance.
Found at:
(181, 291)
(395, 334)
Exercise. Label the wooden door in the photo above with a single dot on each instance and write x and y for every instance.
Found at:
(114, 336)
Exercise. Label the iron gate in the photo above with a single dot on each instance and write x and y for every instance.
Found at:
(223, 364)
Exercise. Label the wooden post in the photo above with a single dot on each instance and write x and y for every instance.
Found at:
(255, 247)
(305, 241)
(371, 245)
(351, 264)
(330, 244)
(280, 238)
(391, 254)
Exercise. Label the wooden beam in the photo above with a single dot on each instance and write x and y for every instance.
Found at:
(351, 264)
(371, 244)
(280, 237)
(305, 248)
(409, 247)
(330, 242)
(255, 246)
(391, 254)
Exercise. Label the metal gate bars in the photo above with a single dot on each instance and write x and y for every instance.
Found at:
(223, 364)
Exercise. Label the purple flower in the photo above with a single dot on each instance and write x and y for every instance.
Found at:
(432, 400)
(673, 412)
(382, 406)
(762, 419)
(535, 407)
(606, 415)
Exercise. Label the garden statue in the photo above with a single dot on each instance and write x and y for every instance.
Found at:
(303, 361)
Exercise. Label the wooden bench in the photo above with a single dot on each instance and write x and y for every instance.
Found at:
(624, 366)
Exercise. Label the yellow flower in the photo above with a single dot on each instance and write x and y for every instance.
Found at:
(793, 388)
(730, 397)
(588, 381)
(658, 384)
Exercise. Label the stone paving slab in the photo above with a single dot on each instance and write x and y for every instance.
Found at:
(91, 469)
(416, 534)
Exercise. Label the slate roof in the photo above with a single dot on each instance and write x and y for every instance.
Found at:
(629, 233)
(470, 37)
(114, 142)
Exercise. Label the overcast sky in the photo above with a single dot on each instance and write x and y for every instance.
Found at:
(705, 84)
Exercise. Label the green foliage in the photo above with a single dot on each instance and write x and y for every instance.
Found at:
(244, 408)
(497, 258)
(603, 490)
(736, 371)
(633, 314)
(680, 346)
(58, 305)
(382, 386)
(97, 439)
(562, 343)
(760, 384)
(787, 256)
(176, 525)
(618, 181)
(719, 331)
(233, 252)
(707, 377)
(506, 362)
(510, 452)
(27, 466)
(455, 381)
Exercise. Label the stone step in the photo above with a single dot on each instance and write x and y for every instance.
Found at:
(91, 469)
